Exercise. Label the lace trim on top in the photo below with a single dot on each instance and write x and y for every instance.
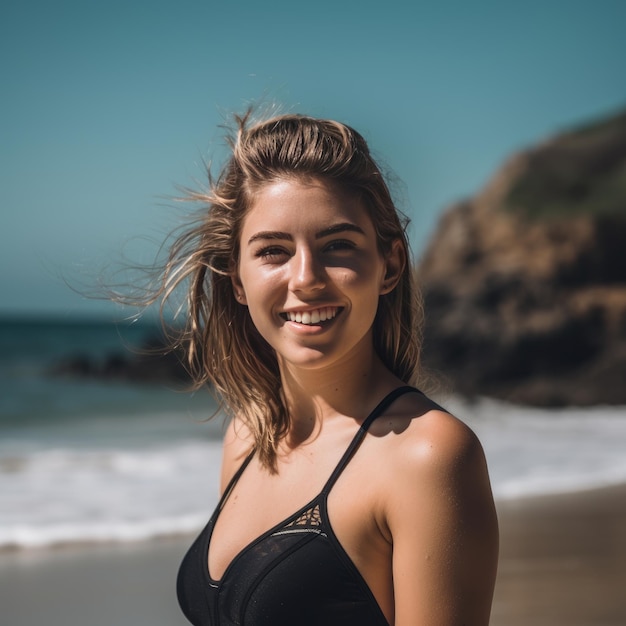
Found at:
(308, 521)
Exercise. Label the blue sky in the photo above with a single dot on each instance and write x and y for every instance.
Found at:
(107, 106)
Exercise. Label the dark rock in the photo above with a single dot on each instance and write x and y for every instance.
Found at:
(153, 363)
(525, 284)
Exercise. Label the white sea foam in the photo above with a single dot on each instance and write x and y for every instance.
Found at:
(539, 451)
(125, 484)
(82, 495)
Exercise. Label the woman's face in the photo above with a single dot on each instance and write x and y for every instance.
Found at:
(311, 274)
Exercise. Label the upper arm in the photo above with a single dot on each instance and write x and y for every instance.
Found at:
(443, 525)
(237, 444)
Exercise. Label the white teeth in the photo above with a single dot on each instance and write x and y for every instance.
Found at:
(313, 317)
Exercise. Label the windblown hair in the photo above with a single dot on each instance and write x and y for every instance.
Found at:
(221, 343)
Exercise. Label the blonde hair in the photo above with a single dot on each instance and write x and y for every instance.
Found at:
(221, 343)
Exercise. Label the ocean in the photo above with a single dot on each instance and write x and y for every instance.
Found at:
(93, 460)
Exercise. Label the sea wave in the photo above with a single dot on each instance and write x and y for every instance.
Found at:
(533, 451)
(59, 496)
(122, 485)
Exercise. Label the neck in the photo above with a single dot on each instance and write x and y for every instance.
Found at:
(347, 389)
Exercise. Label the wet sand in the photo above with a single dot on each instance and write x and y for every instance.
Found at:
(562, 562)
(96, 585)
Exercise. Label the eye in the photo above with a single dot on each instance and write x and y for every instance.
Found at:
(339, 245)
(271, 253)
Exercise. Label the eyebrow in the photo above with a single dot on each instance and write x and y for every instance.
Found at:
(326, 232)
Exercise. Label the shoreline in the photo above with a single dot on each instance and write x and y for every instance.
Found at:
(562, 562)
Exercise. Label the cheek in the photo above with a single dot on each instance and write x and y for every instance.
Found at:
(364, 276)
(260, 287)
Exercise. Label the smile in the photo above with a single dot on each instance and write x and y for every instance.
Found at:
(312, 317)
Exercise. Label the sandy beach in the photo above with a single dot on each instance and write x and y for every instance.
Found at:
(130, 584)
(562, 562)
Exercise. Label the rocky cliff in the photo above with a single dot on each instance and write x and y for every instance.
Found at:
(525, 284)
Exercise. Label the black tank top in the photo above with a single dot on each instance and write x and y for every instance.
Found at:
(295, 574)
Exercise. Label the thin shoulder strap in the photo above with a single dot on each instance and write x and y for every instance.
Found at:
(233, 481)
(389, 399)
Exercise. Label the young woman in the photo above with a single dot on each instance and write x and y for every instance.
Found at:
(348, 496)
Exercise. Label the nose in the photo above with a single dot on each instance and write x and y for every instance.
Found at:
(308, 274)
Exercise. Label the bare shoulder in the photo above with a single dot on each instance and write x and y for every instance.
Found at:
(422, 437)
(438, 514)
(440, 441)
(238, 443)
(441, 457)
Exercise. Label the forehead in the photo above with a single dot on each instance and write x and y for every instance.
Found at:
(304, 205)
